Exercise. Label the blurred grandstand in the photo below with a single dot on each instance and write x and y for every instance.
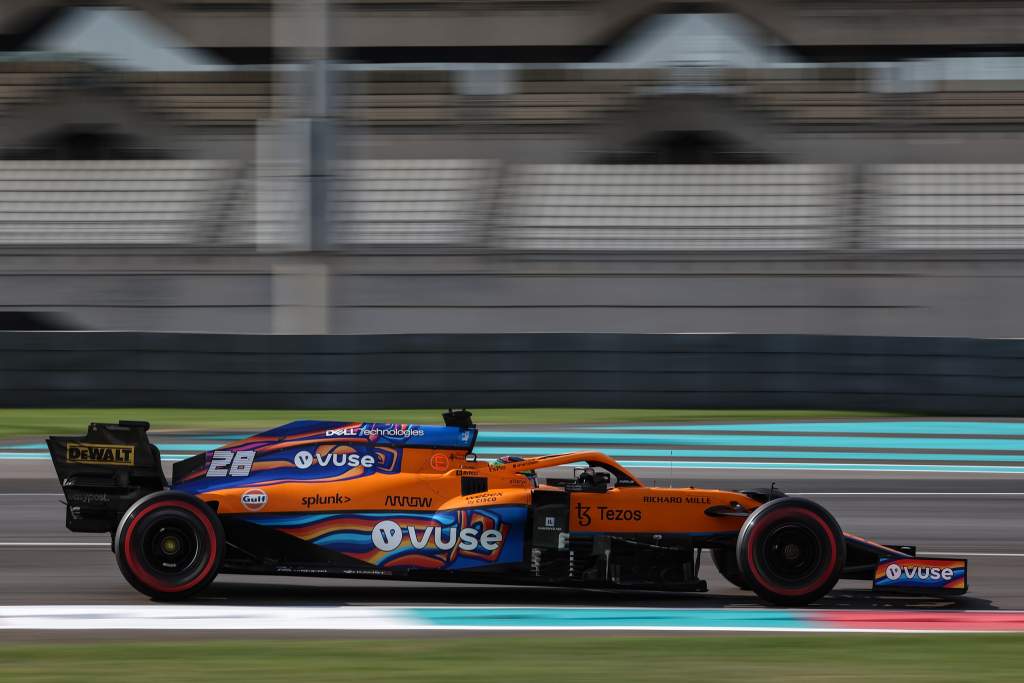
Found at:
(392, 165)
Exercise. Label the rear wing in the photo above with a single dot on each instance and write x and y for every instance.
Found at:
(103, 472)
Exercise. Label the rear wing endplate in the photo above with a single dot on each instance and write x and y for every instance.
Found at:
(104, 471)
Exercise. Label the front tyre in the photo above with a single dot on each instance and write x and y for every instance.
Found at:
(791, 551)
(725, 563)
(169, 545)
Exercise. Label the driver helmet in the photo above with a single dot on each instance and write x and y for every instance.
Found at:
(529, 474)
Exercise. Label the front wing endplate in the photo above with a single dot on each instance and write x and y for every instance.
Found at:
(924, 575)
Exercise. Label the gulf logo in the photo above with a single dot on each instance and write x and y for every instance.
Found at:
(254, 500)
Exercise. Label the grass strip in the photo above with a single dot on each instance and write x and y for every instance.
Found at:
(932, 658)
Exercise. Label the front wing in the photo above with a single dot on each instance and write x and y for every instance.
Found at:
(921, 575)
(893, 568)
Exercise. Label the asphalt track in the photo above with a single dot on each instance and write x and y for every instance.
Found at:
(952, 488)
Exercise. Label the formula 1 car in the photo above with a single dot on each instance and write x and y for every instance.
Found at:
(348, 499)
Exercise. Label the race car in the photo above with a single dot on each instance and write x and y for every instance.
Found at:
(405, 501)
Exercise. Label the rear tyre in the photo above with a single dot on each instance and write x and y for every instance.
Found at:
(725, 563)
(169, 545)
(791, 551)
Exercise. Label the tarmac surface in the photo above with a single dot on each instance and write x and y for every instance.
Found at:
(974, 513)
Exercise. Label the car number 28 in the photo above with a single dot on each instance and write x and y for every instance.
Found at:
(231, 463)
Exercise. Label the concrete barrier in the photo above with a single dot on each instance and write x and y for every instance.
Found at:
(116, 369)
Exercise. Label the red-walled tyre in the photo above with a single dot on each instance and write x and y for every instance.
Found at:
(791, 551)
(169, 545)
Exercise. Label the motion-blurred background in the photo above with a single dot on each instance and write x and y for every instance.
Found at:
(848, 167)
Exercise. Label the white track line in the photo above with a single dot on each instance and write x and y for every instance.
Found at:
(31, 494)
(239, 618)
(52, 544)
(189, 617)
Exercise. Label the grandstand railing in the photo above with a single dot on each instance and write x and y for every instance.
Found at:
(627, 208)
(112, 202)
(482, 204)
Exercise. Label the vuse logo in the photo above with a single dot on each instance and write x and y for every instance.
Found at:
(388, 535)
(304, 460)
(895, 572)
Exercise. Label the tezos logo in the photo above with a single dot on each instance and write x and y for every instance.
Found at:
(388, 535)
(304, 460)
(583, 514)
(254, 499)
(894, 572)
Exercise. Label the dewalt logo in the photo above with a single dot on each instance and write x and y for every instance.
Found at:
(101, 454)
